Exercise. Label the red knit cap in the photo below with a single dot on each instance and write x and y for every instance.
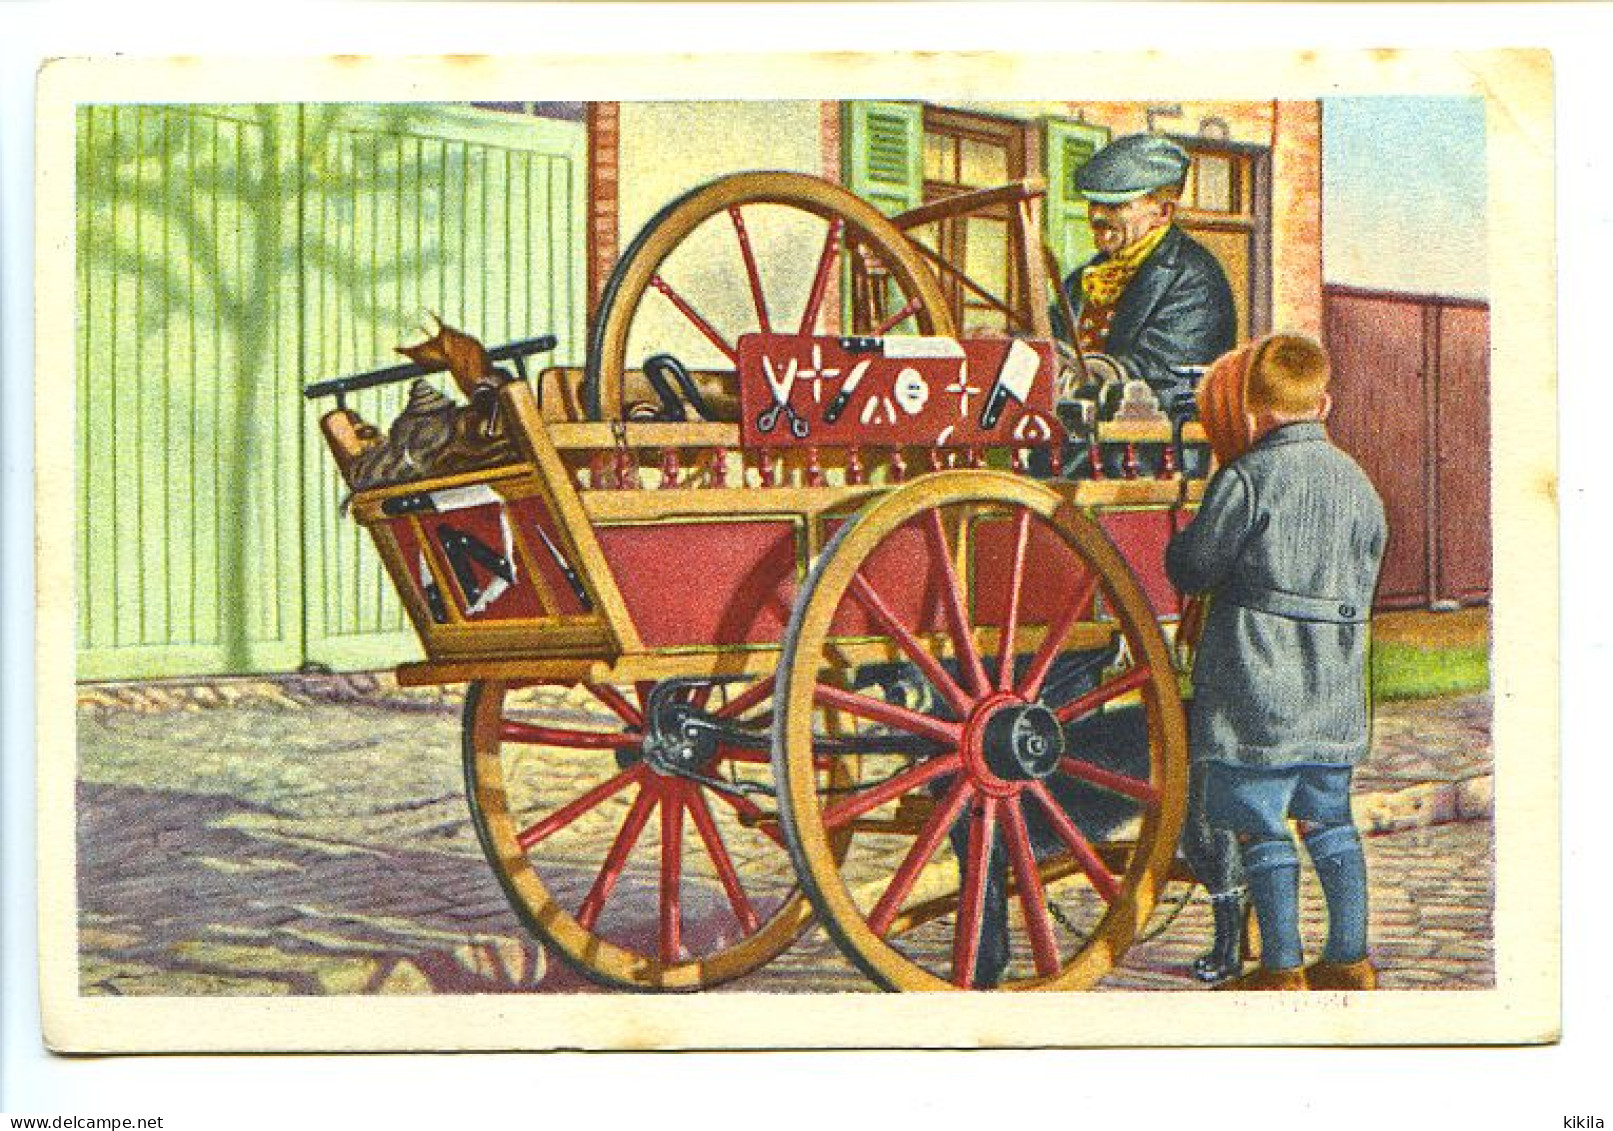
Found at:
(1223, 405)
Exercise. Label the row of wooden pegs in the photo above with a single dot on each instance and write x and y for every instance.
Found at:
(621, 468)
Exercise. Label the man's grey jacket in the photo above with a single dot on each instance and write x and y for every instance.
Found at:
(1288, 543)
(1177, 310)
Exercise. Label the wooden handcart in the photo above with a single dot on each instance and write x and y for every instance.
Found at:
(730, 676)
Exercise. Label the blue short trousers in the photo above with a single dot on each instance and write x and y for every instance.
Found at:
(1260, 800)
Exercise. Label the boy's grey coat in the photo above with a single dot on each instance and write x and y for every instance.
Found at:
(1288, 543)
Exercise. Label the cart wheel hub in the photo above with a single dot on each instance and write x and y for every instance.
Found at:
(1008, 741)
(679, 740)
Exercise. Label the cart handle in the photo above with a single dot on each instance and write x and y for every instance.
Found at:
(339, 387)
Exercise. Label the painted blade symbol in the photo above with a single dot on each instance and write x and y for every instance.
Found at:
(464, 551)
(428, 586)
(843, 397)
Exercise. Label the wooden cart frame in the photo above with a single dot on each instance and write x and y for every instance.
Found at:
(690, 631)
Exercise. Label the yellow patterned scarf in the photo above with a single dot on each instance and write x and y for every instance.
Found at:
(1102, 283)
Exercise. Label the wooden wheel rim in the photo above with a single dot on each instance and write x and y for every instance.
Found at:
(801, 812)
(607, 348)
(542, 913)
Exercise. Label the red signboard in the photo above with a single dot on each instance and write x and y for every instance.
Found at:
(804, 391)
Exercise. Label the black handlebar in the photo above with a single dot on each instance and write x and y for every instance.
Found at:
(339, 387)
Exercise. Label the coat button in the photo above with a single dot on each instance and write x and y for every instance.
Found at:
(1346, 610)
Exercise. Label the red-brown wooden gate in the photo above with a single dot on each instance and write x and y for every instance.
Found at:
(1411, 381)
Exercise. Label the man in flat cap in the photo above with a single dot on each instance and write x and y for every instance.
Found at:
(1153, 300)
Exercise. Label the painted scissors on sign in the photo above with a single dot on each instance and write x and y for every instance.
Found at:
(781, 401)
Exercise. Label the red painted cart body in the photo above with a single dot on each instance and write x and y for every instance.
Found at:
(727, 676)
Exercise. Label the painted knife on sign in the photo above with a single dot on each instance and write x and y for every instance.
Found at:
(1013, 380)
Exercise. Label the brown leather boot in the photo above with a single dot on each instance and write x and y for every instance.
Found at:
(1264, 979)
(1357, 975)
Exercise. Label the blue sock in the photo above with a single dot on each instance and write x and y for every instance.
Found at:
(1272, 868)
(1342, 869)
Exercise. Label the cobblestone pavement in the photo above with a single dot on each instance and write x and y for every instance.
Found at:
(278, 844)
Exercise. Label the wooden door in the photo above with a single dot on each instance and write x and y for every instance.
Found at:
(1379, 418)
(1462, 466)
(1411, 377)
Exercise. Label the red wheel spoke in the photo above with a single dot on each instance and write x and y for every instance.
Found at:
(1101, 694)
(617, 702)
(1078, 844)
(820, 280)
(720, 860)
(892, 787)
(1031, 896)
(763, 758)
(751, 814)
(957, 617)
(611, 871)
(576, 807)
(671, 871)
(1030, 684)
(1016, 577)
(972, 896)
(896, 319)
(924, 845)
(693, 315)
(750, 268)
(866, 596)
(642, 689)
(746, 699)
(879, 711)
(743, 757)
(511, 731)
(1131, 787)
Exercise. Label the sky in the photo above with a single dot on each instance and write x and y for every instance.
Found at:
(1403, 190)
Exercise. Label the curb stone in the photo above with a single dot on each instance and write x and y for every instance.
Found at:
(1425, 804)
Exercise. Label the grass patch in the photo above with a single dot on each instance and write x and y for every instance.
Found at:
(1405, 671)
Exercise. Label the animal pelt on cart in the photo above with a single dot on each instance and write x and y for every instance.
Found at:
(435, 435)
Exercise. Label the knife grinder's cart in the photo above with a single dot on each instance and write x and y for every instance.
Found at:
(811, 658)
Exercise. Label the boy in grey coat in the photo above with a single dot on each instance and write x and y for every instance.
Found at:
(1288, 544)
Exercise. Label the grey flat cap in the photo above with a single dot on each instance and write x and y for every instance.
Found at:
(1130, 166)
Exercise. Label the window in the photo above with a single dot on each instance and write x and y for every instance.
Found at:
(963, 152)
(1225, 206)
(901, 154)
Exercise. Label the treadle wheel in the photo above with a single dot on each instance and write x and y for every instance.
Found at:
(747, 252)
(639, 878)
(939, 568)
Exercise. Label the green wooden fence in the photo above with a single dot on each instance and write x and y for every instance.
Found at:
(226, 256)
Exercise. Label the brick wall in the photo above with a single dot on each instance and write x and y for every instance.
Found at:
(604, 195)
(1296, 217)
(1249, 122)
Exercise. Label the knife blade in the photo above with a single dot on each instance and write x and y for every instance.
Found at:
(843, 397)
(1014, 379)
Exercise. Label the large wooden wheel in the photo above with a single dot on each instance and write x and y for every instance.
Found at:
(748, 252)
(939, 568)
(640, 877)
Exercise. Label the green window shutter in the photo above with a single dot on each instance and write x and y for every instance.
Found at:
(884, 164)
(885, 154)
(1070, 145)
